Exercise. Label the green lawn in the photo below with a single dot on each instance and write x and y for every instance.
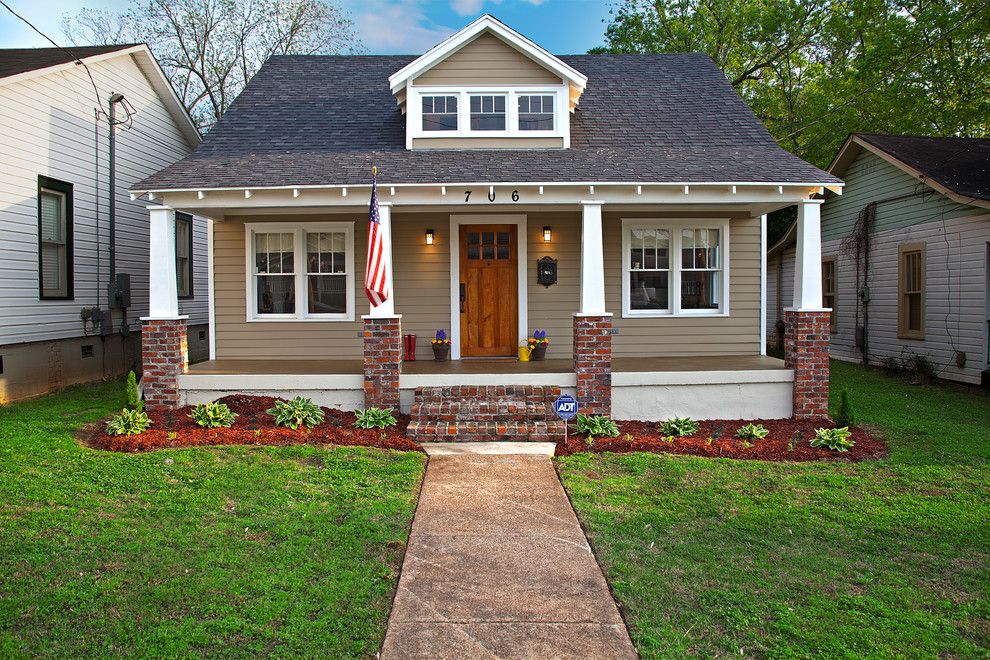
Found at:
(234, 551)
(889, 558)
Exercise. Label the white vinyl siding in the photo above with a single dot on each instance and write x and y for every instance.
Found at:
(48, 128)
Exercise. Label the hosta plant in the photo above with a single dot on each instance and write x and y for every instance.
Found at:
(128, 422)
(595, 425)
(679, 427)
(300, 411)
(839, 439)
(213, 415)
(375, 418)
(752, 432)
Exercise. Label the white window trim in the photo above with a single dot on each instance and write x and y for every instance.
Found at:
(299, 230)
(674, 226)
(414, 111)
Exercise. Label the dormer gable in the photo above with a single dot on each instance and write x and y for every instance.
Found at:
(487, 86)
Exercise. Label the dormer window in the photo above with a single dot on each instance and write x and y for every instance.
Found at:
(440, 113)
(535, 112)
(487, 112)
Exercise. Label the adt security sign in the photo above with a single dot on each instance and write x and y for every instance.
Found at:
(565, 406)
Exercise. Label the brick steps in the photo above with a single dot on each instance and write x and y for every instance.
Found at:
(471, 413)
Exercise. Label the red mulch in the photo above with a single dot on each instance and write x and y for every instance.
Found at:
(643, 436)
(253, 426)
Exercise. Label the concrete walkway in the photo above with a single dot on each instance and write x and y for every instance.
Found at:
(498, 567)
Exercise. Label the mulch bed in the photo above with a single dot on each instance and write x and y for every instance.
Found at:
(253, 426)
(788, 441)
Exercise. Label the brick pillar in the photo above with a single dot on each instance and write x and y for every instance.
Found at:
(806, 352)
(164, 355)
(593, 363)
(382, 361)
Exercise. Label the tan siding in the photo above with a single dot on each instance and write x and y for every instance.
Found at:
(737, 334)
(489, 143)
(487, 61)
(422, 293)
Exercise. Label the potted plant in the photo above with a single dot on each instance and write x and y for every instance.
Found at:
(441, 346)
(538, 345)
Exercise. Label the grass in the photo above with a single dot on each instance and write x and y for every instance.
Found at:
(880, 559)
(230, 551)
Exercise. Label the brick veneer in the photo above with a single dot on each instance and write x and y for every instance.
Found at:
(164, 355)
(593, 363)
(806, 352)
(382, 361)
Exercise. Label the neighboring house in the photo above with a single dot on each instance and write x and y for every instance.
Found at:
(616, 201)
(919, 210)
(57, 325)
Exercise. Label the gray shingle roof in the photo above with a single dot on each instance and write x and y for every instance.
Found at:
(960, 164)
(20, 60)
(321, 120)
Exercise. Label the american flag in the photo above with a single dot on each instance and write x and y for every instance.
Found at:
(375, 270)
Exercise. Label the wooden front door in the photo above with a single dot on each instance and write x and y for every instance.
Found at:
(489, 301)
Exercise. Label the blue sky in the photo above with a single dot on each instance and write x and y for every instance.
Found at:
(384, 26)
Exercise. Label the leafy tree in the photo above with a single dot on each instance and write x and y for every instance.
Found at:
(816, 71)
(210, 49)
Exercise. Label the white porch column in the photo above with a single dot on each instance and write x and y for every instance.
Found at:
(808, 260)
(163, 297)
(592, 260)
(387, 308)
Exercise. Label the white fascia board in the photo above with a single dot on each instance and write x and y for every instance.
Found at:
(92, 59)
(460, 39)
(500, 184)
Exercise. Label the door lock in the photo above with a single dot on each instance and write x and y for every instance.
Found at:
(463, 296)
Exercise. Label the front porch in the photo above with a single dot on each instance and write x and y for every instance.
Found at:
(650, 388)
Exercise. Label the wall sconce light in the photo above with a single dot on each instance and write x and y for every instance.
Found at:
(547, 234)
(429, 237)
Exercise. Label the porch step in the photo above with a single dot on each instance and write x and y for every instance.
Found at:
(471, 413)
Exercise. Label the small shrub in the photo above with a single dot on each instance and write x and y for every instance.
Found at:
(128, 422)
(134, 401)
(845, 416)
(839, 439)
(213, 415)
(595, 425)
(752, 432)
(679, 427)
(375, 418)
(298, 412)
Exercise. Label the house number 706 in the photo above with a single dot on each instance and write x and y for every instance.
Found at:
(491, 195)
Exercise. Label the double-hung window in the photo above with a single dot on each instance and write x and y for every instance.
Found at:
(535, 112)
(54, 239)
(829, 286)
(911, 291)
(487, 112)
(301, 271)
(674, 267)
(184, 254)
(440, 113)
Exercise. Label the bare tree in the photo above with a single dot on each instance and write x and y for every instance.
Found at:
(210, 49)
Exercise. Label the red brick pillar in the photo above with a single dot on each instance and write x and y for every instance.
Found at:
(164, 355)
(806, 352)
(382, 361)
(593, 363)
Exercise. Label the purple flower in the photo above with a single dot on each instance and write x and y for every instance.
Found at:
(441, 335)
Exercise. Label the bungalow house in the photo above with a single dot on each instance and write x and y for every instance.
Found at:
(905, 255)
(616, 201)
(73, 265)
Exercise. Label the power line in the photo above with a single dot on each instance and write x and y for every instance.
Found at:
(898, 69)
